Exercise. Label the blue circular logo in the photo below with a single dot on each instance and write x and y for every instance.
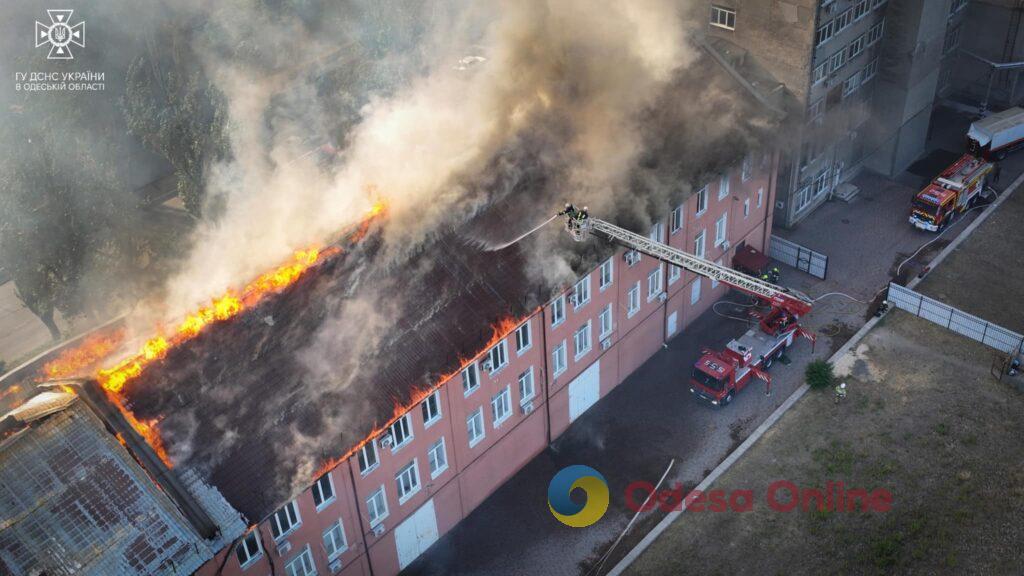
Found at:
(591, 482)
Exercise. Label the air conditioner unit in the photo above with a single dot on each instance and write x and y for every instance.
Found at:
(378, 530)
(527, 408)
(606, 343)
(662, 297)
(632, 257)
(486, 364)
(572, 299)
(335, 566)
(283, 547)
(726, 245)
(386, 440)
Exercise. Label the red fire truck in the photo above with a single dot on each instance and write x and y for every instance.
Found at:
(953, 191)
(719, 375)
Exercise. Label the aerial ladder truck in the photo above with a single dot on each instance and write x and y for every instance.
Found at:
(719, 374)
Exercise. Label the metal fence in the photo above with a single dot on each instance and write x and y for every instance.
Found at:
(799, 257)
(958, 321)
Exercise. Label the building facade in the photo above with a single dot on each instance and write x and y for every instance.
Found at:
(865, 75)
(380, 508)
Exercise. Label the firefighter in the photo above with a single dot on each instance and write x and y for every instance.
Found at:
(840, 392)
(996, 169)
(774, 276)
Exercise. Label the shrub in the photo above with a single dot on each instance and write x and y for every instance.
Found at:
(819, 374)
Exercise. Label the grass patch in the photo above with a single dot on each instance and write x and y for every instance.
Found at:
(838, 458)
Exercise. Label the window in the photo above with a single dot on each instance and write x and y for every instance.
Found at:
(558, 359)
(581, 293)
(877, 3)
(334, 541)
(654, 283)
(870, 70)
(747, 169)
(875, 32)
(470, 379)
(803, 197)
(431, 407)
(655, 233)
(698, 245)
(760, 196)
(285, 520)
(249, 549)
(401, 432)
(377, 507)
(837, 61)
(501, 407)
(723, 17)
(523, 338)
(408, 481)
(723, 186)
(702, 200)
(301, 565)
(820, 72)
(475, 427)
(816, 110)
(558, 310)
(843, 20)
(721, 229)
(633, 297)
(581, 340)
(526, 387)
(674, 273)
(676, 220)
(860, 9)
(851, 84)
(606, 321)
(857, 46)
(323, 492)
(714, 283)
(824, 33)
(498, 356)
(952, 40)
(437, 457)
(607, 268)
(695, 291)
(368, 457)
(821, 182)
(746, 208)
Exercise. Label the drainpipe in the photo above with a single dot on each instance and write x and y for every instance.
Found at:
(359, 515)
(544, 364)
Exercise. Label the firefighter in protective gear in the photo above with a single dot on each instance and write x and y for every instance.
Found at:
(773, 276)
(840, 391)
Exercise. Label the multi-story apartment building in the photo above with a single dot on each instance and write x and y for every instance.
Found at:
(864, 75)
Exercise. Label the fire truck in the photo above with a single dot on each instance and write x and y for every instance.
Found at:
(953, 191)
(718, 375)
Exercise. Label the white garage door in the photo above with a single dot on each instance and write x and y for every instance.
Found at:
(416, 534)
(584, 390)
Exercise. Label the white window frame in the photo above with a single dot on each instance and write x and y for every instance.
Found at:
(524, 338)
(470, 379)
(746, 208)
(760, 196)
(437, 465)
(816, 110)
(291, 515)
(802, 198)
(332, 547)
(377, 506)
(302, 561)
(364, 466)
(861, 9)
(633, 300)
(582, 335)
(676, 220)
(851, 84)
(674, 274)
(702, 200)
(607, 321)
(607, 273)
(498, 356)
(695, 291)
(722, 229)
(723, 186)
(318, 488)
(559, 359)
(243, 547)
(655, 233)
(476, 428)
(558, 311)
(820, 73)
(430, 416)
(843, 20)
(699, 244)
(581, 293)
(837, 61)
(747, 168)
(401, 426)
(824, 33)
(856, 47)
(654, 283)
(410, 473)
(723, 17)
(501, 406)
(527, 386)
(875, 32)
(870, 70)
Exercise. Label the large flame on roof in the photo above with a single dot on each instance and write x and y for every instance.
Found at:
(113, 379)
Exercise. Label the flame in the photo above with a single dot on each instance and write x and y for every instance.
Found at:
(90, 352)
(500, 329)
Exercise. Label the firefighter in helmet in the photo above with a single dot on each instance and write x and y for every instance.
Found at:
(840, 391)
(773, 276)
